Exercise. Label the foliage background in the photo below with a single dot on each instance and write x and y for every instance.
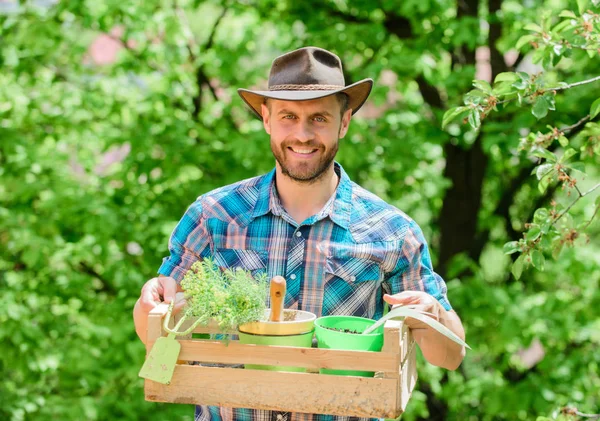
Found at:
(101, 153)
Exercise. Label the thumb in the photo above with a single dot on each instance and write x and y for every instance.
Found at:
(169, 287)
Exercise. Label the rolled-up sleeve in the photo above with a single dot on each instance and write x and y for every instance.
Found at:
(188, 243)
(413, 270)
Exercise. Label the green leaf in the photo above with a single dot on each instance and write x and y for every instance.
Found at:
(595, 108)
(541, 215)
(524, 40)
(474, 119)
(577, 166)
(543, 184)
(533, 27)
(560, 27)
(563, 140)
(533, 233)
(582, 6)
(517, 267)
(537, 260)
(543, 170)
(544, 153)
(511, 247)
(451, 114)
(540, 107)
(567, 14)
(506, 77)
(567, 155)
(483, 86)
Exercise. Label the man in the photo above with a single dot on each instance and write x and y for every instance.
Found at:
(341, 249)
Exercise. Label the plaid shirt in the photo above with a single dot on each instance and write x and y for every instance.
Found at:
(339, 261)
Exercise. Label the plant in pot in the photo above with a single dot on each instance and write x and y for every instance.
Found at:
(361, 334)
(231, 298)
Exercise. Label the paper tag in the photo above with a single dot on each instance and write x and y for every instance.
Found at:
(160, 363)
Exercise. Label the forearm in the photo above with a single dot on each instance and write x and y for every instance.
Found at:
(437, 348)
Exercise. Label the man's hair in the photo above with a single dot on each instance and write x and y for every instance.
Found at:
(340, 96)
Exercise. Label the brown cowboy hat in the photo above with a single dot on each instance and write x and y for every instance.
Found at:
(307, 73)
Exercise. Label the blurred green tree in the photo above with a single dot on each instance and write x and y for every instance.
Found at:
(116, 115)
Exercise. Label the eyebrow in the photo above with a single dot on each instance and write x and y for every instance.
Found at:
(321, 113)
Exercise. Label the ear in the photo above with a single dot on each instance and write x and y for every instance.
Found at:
(264, 111)
(345, 123)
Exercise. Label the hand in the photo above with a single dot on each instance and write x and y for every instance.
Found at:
(160, 289)
(422, 301)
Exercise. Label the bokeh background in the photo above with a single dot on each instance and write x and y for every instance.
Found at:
(115, 115)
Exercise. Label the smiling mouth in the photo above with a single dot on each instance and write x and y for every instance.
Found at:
(302, 151)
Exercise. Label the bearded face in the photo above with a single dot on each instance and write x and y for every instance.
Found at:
(305, 135)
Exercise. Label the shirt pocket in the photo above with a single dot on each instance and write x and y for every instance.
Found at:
(254, 261)
(351, 286)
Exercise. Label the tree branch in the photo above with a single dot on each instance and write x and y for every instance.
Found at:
(496, 59)
(466, 55)
(201, 77)
(106, 285)
(579, 197)
(572, 85)
(430, 93)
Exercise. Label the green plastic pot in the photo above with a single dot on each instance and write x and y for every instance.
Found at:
(334, 339)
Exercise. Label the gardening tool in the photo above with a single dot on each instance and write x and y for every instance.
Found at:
(277, 293)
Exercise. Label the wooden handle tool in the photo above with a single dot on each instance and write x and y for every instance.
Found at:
(277, 293)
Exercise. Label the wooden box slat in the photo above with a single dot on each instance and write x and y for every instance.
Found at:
(236, 353)
(293, 392)
(383, 396)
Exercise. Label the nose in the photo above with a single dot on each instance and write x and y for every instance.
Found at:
(304, 132)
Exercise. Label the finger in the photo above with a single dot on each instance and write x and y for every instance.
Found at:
(397, 299)
(169, 288)
(406, 295)
(180, 304)
(149, 295)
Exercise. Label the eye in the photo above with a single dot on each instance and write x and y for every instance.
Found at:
(320, 119)
(289, 117)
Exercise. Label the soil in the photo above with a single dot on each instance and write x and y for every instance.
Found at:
(356, 332)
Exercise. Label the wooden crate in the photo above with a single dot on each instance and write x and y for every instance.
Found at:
(382, 396)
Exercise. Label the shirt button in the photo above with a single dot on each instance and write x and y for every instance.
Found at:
(298, 234)
(293, 276)
(352, 278)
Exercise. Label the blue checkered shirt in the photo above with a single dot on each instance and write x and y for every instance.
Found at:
(339, 261)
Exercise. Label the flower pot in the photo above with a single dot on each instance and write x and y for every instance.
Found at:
(338, 339)
(296, 329)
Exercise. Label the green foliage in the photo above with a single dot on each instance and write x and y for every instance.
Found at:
(230, 298)
(100, 158)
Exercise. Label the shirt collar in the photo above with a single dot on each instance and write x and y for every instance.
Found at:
(339, 212)
(263, 200)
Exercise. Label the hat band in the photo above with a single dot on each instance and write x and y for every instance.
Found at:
(305, 87)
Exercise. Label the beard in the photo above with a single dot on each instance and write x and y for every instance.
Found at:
(309, 171)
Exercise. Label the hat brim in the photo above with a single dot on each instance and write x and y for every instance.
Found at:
(357, 95)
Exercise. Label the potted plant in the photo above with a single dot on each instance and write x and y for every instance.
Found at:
(361, 334)
(232, 299)
(279, 327)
